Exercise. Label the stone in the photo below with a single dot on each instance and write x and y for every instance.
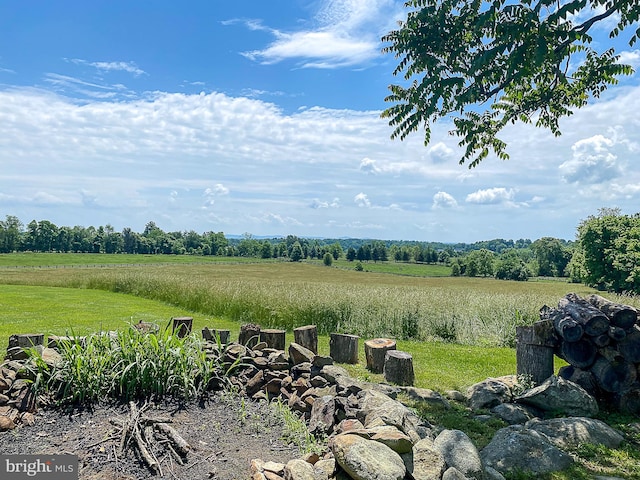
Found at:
(331, 372)
(458, 451)
(275, 467)
(488, 394)
(455, 395)
(348, 425)
(452, 473)
(426, 396)
(364, 459)
(517, 448)
(560, 396)
(327, 465)
(6, 424)
(51, 357)
(511, 413)
(567, 433)
(300, 470)
(322, 415)
(393, 438)
(320, 361)
(299, 354)
(4, 399)
(427, 462)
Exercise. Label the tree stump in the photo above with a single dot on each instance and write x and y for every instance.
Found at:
(398, 368)
(534, 350)
(212, 335)
(307, 336)
(249, 335)
(19, 342)
(343, 348)
(273, 338)
(375, 350)
(182, 325)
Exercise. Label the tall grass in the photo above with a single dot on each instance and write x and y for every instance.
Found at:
(462, 310)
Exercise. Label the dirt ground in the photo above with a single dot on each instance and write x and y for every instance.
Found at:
(225, 433)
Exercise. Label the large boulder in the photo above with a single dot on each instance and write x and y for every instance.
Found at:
(488, 394)
(572, 431)
(459, 451)
(560, 396)
(364, 459)
(517, 448)
(427, 463)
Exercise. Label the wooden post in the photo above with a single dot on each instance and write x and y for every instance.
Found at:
(398, 368)
(183, 326)
(249, 335)
(307, 336)
(343, 348)
(375, 350)
(212, 335)
(273, 338)
(534, 350)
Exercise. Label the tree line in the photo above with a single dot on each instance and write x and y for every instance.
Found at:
(606, 254)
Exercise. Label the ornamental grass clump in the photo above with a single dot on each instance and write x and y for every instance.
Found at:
(131, 365)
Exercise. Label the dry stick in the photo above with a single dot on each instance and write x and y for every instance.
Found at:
(153, 464)
(201, 460)
(181, 444)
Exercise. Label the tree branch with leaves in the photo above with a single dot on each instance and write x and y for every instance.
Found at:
(488, 64)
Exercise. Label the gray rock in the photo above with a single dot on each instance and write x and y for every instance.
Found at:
(458, 451)
(511, 413)
(561, 396)
(331, 372)
(455, 395)
(322, 415)
(488, 394)
(298, 354)
(427, 463)
(516, 448)
(394, 413)
(393, 438)
(452, 473)
(427, 396)
(491, 473)
(301, 470)
(572, 431)
(364, 459)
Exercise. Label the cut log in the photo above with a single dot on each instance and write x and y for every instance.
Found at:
(565, 326)
(584, 378)
(534, 351)
(580, 354)
(343, 348)
(213, 335)
(307, 336)
(623, 316)
(593, 321)
(19, 342)
(273, 338)
(182, 326)
(249, 335)
(375, 350)
(629, 347)
(601, 341)
(628, 401)
(617, 333)
(398, 368)
(614, 375)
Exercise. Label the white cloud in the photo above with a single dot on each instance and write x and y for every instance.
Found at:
(444, 200)
(362, 200)
(630, 57)
(592, 161)
(129, 67)
(441, 153)
(316, 203)
(368, 166)
(348, 33)
(491, 196)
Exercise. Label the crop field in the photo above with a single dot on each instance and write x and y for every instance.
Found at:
(471, 319)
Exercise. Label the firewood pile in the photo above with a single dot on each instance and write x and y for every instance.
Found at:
(600, 340)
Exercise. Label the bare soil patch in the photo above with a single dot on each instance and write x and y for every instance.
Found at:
(225, 433)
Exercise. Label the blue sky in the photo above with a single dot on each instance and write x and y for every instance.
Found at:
(263, 117)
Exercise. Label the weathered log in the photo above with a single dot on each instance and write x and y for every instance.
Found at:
(343, 348)
(565, 326)
(617, 333)
(213, 335)
(613, 375)
(375, 350)
(628, 401)
(307, 336)
(19, 342)
(623, 316)
(398, 368)
(593, 321)
(629, 347)
(534, 351)
(601, 341)
(274, 338)
(183, 326)
(580, 354)
(249, 335)
(584, 378)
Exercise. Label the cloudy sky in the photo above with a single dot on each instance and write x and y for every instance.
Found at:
(264, 118)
